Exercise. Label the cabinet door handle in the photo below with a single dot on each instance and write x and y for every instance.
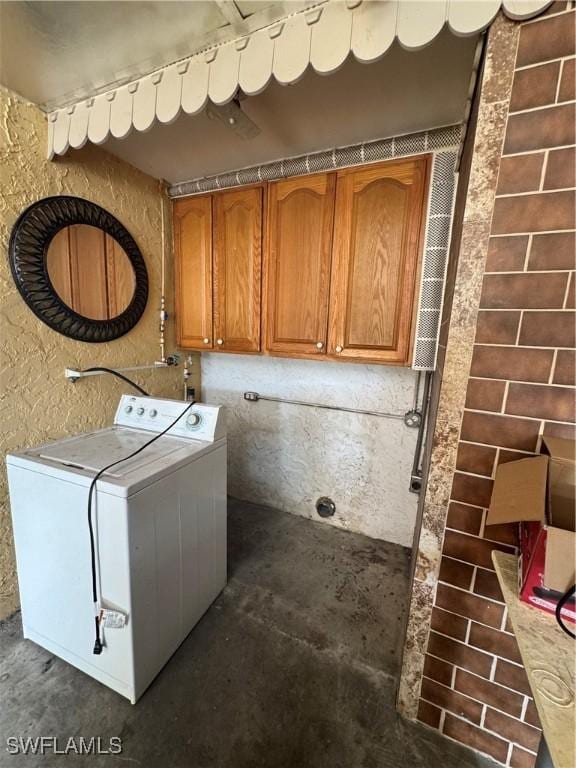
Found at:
(320, 344)
(338, 348)
(206, 341)
(219, 342)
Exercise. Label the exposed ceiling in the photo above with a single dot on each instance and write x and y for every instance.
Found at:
(405, 91)
(53, 53)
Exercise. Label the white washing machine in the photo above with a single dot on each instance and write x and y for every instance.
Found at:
(160, 537)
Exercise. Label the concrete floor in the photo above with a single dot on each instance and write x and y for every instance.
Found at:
(294, 666)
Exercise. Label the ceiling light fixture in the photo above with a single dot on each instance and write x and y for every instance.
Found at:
(232, 116)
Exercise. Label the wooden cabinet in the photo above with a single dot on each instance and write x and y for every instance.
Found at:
(218, 254)
(193, 264)
(298, 258)
(378, 229)
(340, 264)
(237, 269)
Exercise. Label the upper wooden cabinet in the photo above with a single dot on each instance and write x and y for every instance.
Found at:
(193, 263)
(218, 254)
(340, 264)
(297, 265)
(378, 228)
(237, 269)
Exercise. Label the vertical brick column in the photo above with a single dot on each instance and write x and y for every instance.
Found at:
(519, 385)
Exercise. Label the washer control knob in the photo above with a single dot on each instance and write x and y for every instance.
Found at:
(338, 348)
(140, 411)
(128, 409)
(193, 420)
(153, 413)
(206, 341)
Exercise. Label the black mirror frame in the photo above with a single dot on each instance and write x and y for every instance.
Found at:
(28, 248)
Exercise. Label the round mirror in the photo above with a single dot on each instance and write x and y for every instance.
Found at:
(90, 272)
(78, 269)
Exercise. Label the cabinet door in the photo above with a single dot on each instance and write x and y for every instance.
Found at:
(378, 230)
(298, 259)
(237, 269)
(193, 263)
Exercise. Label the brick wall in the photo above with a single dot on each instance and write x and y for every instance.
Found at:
(521, 385)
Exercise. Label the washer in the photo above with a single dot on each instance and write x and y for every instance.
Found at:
(160, 533)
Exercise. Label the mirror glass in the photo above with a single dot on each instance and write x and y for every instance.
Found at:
(90, 272)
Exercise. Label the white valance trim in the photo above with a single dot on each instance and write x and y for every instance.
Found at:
(322, 36)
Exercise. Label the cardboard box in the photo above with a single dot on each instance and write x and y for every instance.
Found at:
(539, 493)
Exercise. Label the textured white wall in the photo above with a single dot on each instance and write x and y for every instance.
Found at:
(287, 456)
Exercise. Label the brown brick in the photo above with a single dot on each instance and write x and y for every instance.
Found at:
(505, 534)
(483, 395)
(471, 549)
(449, 624)
(511, 729)
(512, 676)
(541, 402)
(478, 459)
(558, 6)
(520, 173)
(524, 291)
(531, 716)
(492, 429)
(459, 654)
(505, 456)
(428, 714)
(535, 87)
(541, 129)
(448, 699)
(486, 584)
(471, 489)
(489, 693)
(512, 363)
(496, 642)
(553, 251)
(560, 169)
(550, 38)
(565, 369)
(438, 670)
(567, 87)
(548, 329)
(456, 573)
(462, 517)
(475, 738)
(506, 254)
(468, 605)
(496, 327)
(520, 758)
(534, 213)
(565, 431)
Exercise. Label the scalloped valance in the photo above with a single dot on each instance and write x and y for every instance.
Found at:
(322, 36)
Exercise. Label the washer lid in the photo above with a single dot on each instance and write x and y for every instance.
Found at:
(98, 449)
(77, 459)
